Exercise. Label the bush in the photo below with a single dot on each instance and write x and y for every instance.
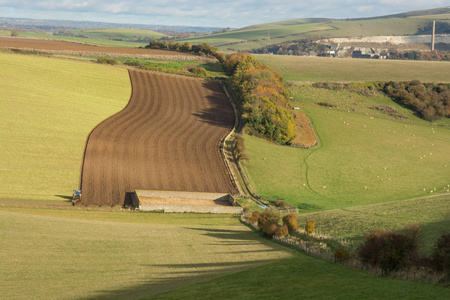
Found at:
(341, 254)
(441, 254)
(291, 221)
(281, 230)
(310, 226)
(389, 250)
(106, 60)
(270, 227)
(266, 215)
(254, 217)
(199, 71)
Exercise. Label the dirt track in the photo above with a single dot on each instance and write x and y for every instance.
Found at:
(167, 138)
(54, 45)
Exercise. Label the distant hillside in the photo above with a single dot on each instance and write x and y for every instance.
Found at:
(261, 35)
(23, 23)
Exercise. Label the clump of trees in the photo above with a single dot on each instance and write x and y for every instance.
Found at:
(420, 55)
(262, 98)
(203, 49)
(271, 224)
(295, 47)
(393, 251)
(430, 100)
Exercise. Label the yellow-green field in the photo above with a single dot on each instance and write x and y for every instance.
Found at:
(325, 69)
(57, 254)
(48, 108)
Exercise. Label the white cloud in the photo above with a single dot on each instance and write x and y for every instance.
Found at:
(232, 13)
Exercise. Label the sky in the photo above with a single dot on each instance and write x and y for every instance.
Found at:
(208, 13)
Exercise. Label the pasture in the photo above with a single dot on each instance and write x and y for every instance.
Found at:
(353, 223)
(60, 254)
(364, 157)
(49, 106)
(305, 277)
(325, 69)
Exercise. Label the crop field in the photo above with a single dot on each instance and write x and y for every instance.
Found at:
(167, 138)
(64, 46)
(364, 157)
(49, 106)
(325, 69)
(62, 254)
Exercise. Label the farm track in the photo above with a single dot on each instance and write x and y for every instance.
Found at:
(166, 138)
(63, 46)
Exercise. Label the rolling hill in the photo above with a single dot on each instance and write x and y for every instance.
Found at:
(256, 36)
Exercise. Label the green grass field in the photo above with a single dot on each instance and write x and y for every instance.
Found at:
(92, 41)
(59, 254)
(49, 106)
(324, 69)
(118, 33)
(257, 36)
(353, 223)
(364, 157)
(304, 277)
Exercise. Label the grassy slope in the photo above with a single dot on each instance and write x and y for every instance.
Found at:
(354, 222)
(118, 33)
(304, 277)
(87, 254)
(255, 36)
(48, 108)
(323, 69)
(372, 151)
(91, 41)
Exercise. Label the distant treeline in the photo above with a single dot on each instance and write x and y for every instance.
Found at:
(296, 47)
(430, 100)
(420, 55)
(203, 49)
(262, 98)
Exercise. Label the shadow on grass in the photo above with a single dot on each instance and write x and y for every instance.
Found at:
(169, 276)
(175, 276)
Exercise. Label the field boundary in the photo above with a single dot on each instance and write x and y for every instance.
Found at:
(95, 127)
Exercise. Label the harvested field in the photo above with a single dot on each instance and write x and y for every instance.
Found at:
(167, 138)
(85, 49)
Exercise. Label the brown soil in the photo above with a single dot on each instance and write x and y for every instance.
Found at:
(55, 45)
(167, 138)
(304, 135)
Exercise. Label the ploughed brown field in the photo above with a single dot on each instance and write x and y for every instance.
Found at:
(54, 45)
(167, 138)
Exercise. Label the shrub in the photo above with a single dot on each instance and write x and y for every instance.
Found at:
(270, 227)
(370, 251)
(291, 221)
(310, 225)
(281, 230)
(389, 250)
(341, 254)
(441, 254)
(268, 214)
(199, 71)
(106, 60)
(254, 217)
